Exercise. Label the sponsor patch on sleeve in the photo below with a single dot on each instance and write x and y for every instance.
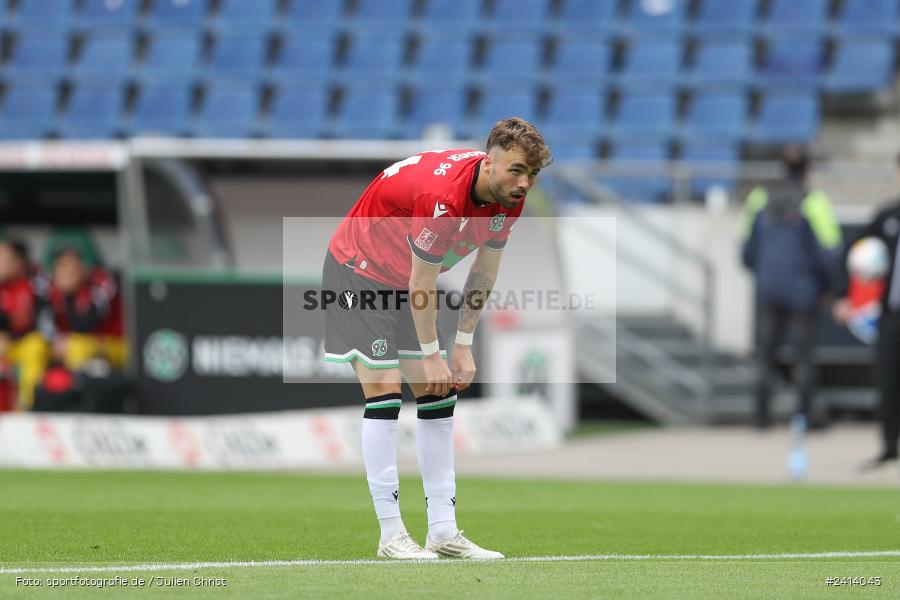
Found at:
(426, 239)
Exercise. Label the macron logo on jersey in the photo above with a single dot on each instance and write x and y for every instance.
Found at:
(440, 209)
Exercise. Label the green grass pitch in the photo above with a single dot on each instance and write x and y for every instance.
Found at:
(91, 519)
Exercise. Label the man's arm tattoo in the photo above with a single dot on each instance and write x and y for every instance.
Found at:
(475, 295)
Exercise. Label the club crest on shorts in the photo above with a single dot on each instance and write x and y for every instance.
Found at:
(426, 239)
(497, 222)
(348, 299)
(379, 347)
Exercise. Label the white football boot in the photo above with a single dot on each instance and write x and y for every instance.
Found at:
(402, 547)
(459, 546)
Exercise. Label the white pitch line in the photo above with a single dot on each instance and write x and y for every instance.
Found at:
(548, 559)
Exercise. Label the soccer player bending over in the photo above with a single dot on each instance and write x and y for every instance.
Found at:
(418, 218)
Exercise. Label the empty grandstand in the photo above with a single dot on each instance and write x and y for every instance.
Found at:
(79, 69)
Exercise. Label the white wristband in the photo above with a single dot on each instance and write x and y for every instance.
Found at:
(430, 348)
(463, 338)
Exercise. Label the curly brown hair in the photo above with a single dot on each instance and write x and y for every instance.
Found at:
(515, 132)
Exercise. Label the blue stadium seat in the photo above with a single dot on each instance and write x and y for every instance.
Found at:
(297, 112)
(786, 117)
(868, 17)
(520, 16)
(647, 115)
(186, 14)
(574, 118)
(117, 15)
(723, 63)
(313, 16)
(160, 110)
(512, 61)
(589, 19)
(441, 60)
(37, 56)
(380, 15)
(48, 18)
(861, 66)
(106, 56)
(304, 58)
(375, 58)
(717, 115)
(578, 110)
(632, 150)
(239, 17)
(495, 105)
(227, 112)
(27, 111)
(652, 64)
(793, 62)
(565, 148)
(440, 17)
(655, 17)
(238, 57)
(171, 57)
(580, 63)
(93, 112)
(797, 17)
(637, 170)
(713, 163)
(728, 18)
(433, 106)
(366, 114)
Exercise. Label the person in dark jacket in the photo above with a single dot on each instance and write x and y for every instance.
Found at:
(886, 226)
(791, 244)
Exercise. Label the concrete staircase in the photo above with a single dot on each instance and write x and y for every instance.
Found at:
(663, 373)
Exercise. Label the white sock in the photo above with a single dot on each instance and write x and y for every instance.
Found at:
(389, 527)
(434, 448)
(440, 531)
(380, 457)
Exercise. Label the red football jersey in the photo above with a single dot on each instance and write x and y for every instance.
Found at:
(20, 303)
(423, 204)
(98, 294)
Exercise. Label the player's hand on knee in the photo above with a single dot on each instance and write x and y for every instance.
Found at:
(463, 367)
(438, 379)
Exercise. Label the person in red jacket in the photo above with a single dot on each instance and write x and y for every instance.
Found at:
(86, 312)
(22, 345)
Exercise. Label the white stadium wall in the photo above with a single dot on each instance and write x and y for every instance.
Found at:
(715, 236)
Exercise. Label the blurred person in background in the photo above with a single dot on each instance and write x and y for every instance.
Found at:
(791, 245)
(7, 373)
(886, 226)
(23, 347)
(87, 339)
(86, 312)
